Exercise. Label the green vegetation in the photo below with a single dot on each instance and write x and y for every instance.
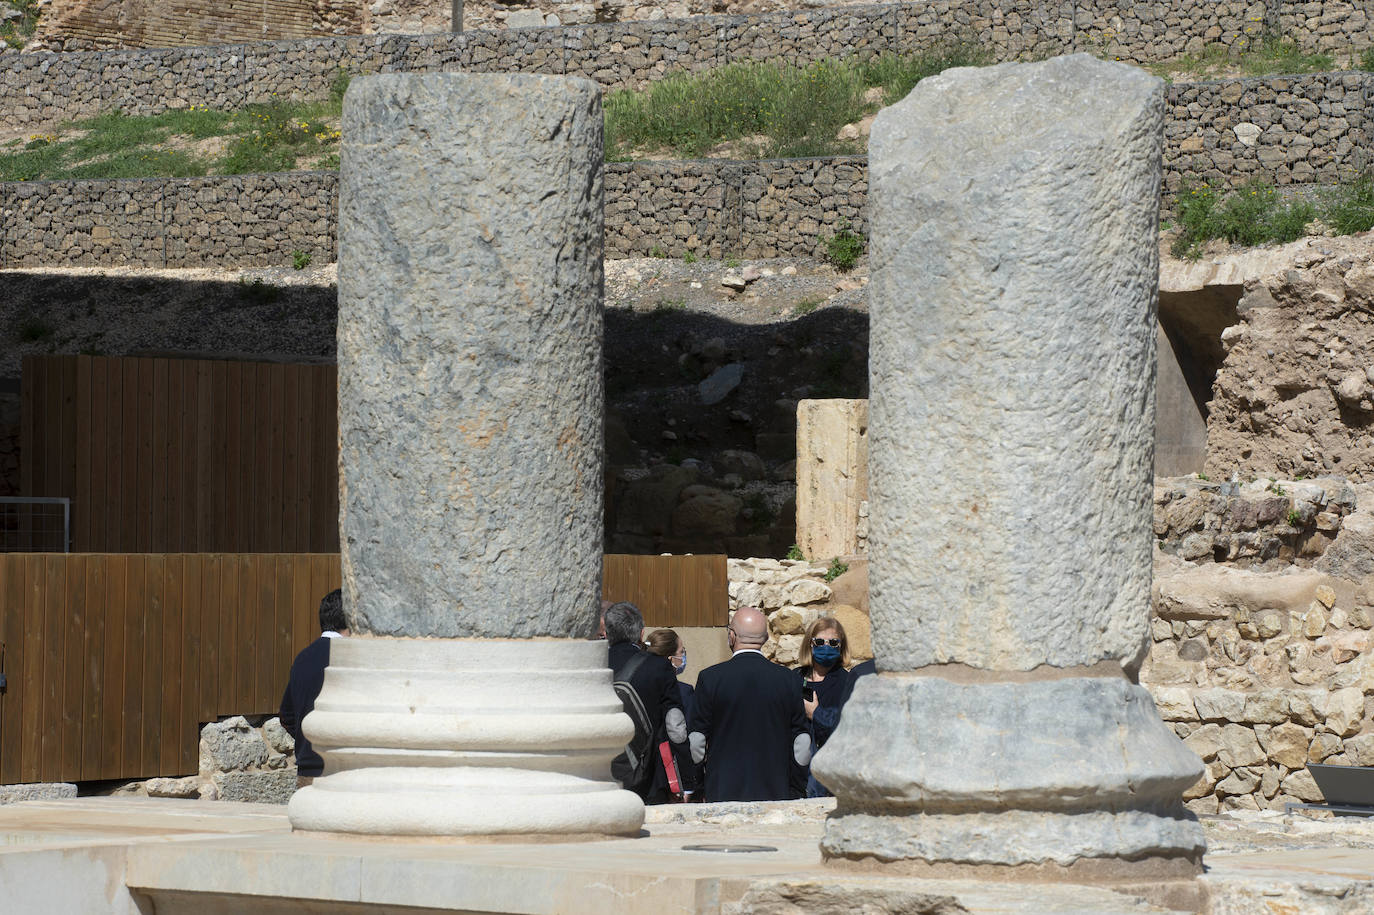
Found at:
(183, 143)
(1294, 518)
(836, 569)
(688, 257)
(843, 248)
(1255, 213)
(17, 31)
(300, 259)
(1366, 61)
(807, 305)
(770, 109)
(794, 552)
(1350, 208)
(1271, 56)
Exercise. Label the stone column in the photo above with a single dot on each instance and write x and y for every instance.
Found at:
(470, 406)
(832, 476)
(1014, 260)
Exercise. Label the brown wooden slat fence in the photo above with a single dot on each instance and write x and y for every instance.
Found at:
(670, 590)
(184, 455)
(114, 660)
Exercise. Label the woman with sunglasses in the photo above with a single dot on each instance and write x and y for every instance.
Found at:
(824, 659)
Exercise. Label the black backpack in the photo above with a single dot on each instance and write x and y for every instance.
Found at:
(634, 766)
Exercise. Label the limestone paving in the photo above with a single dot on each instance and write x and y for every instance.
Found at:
(116, 855)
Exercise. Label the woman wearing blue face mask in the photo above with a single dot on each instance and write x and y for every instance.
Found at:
(824, 658)
(668, 644)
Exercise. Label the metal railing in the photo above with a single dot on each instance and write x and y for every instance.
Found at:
(35, 524)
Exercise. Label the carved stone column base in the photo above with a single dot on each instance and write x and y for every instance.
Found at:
(1074, 777)
(464, 737)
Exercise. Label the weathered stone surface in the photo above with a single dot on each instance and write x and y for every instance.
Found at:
(1344, 712)
(36, 791)
(858, 630)
(277, 737)
(1220, 704)
(274, 787)
(967, 174)
(470, 376)
(832, 475)
(1239, 746)
(187, 787)
(827, 898)
(1287, 745)
(229, 745)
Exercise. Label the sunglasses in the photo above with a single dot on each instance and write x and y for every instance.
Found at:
(817, 643)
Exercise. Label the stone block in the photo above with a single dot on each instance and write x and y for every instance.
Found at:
(1205, 741)
(1239, 746)
(231, 745)
(1344, 712)
(1300, 784)
(1175, 703)
(806, 591)
(1220, 704)
(1287, 744)
(832, 475)
(275, 787)
(188, 787)
(36, 791)
(278, 738)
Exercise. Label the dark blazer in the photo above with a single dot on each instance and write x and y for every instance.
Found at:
(750, 712)
(303, 687)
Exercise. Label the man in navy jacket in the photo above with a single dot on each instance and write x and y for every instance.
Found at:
(307, 677)
(749, 725)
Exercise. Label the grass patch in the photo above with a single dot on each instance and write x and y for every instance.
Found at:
(1268, 57)
(844, 248)
(1254, 214)
(1350, 208)
(1366, 61)
(773, 109)
(261, 138)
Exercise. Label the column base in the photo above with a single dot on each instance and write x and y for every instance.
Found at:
(1074, 778)
(467, 737)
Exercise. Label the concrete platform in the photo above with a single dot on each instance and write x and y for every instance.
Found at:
(146, 856)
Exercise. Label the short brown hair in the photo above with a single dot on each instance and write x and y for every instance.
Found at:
(820, 624)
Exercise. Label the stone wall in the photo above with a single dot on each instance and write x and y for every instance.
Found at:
(1318, 127)
(38, 88)
(92, 24)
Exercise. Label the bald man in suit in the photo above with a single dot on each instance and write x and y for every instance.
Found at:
(749, 726)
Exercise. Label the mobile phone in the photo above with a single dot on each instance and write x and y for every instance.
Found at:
(808, 693)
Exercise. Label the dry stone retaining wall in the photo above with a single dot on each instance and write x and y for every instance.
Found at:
(52, 86)
(1314, 128)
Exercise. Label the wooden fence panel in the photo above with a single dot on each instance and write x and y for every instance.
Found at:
(670, 590)
(183, 455)
(115, 660)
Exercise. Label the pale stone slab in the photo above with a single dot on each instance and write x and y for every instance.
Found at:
(832, 476)
(470, 386)
(36, 791)
(1014, 266)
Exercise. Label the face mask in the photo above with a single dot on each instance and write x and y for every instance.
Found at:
(679, 668)
(825, 655)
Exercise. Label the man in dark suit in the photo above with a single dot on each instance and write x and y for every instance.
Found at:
(749, 726)
(303, 687)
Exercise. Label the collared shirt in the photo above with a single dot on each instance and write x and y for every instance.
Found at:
(743, 650)
(331, 634)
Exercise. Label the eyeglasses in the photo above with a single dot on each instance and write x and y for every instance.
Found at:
(817, 643)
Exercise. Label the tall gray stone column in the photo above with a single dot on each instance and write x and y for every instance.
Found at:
(1014, 260)
(470, 405)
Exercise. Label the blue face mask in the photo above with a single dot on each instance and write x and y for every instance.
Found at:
(679, 668)
(825, 655)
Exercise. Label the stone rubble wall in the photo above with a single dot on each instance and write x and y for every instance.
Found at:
(1318, 127)
(45, 87)
(794, 593)
(1264, 521)
(97, 24)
